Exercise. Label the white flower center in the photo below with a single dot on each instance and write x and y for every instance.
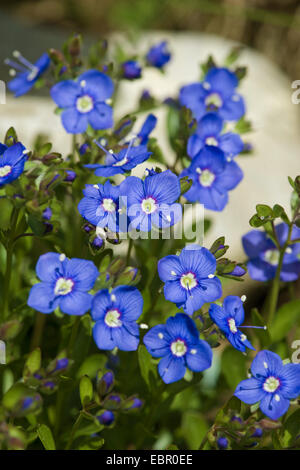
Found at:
(272, 257)
(108, 205)
(5, 170)
(214, 99)
(112, 318)
(121, 162)
(178, 348)
(271, 384)
(63, 286)
(232, 325)
(206, 178)
(212, 141)
(188, 281)
(84, 104)
(149, 205)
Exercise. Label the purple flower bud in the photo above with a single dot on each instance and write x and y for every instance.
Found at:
(87, 228)
(238, 272)
(106, 418)
(84, 148)
(47, 213)
(97, 242)
(70, 176)
(146, 95)
(158, 55)
(131, 69)
(137, 403)
(222, 443)
(49, 384)
(106, 383)
(48, 227)
(237, 418)
(257, 433)
(27, 402)
(61, 364)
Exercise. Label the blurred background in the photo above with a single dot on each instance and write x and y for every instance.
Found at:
(271, 26)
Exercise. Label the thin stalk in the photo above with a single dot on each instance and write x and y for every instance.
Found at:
(74, 429)
(8, 269)
(39, 325)
(130, 245)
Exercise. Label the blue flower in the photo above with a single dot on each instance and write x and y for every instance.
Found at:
(158, 55)
(64, 283)
(178, 344)
(209, 132)
(213, 176)
(121, 162)
(264, 255)
(147, 128)
(273, 384)
(216, 93)
(28, 73)
(101, 206)
(152, 202)
(12, 161)
(84, 101)
(228, 318)
(106, 418)
(131, 69)
(115, 314)
(190, 278)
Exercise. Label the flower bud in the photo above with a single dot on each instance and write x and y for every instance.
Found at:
(106, 383)
(106, 418)
(222, 443)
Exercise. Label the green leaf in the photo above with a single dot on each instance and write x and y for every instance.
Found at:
(6, 208)
(194, 428)
(148, 369)
(263, 210)
(33, 363)
(10, 137)
(233, 366)
(291, 429)
(46, 437)
(85, 390)
(91, 365)
(185, 184)
(286, 317)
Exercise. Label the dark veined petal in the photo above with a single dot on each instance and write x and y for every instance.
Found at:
(97, 84)
(199, 356)
(41, 298)
(13, 154)
(101, 117)
(76, 303)
(163, 187)
(233, 307)
(20, 84)
(183, 327)
(254, 242)
(73, 121)
(174, 292)
(219, 317)
(212, 289)
(274, 405)
(230, 178)
(199, 260)
(167, 266)
(129, 301)
(250, 391)
(231, 144)
(88, 208)
(157, 341)
(222, 80)
(211, 158)
(167, 215)
(290, 381)
(101, 303)
(65, 93)
(266, 363)
(127, 336)
(48, 266)
(83, 272)
(102, 335)
(194, 300)
(171, 369)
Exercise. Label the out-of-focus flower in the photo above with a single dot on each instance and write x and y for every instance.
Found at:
(190, 278)
(106, 418)
(158, 55)
(178, 344)
(12, 161)
(26, 72)
(131, 69)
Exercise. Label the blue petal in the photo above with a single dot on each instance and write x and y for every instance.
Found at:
(47, 267)
(233, 110)
(65, 93)
(254, 242)
(233, 307)
(101, 117)
(209, 126)
(212, 289)
(88, 208)
(98, 85)
(193, 96)
(194, 301)
(41, 298)
(73, 121)
(83, 272)
(134, 190)
(167, 215)
(127, 336)
(2, 148)
(166, 265)
(198, 260)
(101, 303)
(231, 144)
(273, 408)
(211, 158)
(201, 359)
(163, 187)
(20, 84)
(147, 128)
(13, 154)
(102, 335)
(129, 301)
(266, 363)
(250, 391)
(260, 270)
(182, 326)
(290, 272)
(222, 80)
(171, 369)
(290, 381)
(219, 317)
(230, 178)
(194, 145)
(76, 303)
(157, 341)
(174, 292)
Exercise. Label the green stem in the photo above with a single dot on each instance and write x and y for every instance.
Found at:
(74, 429)
(40, 321)
(73, 336)
(130, 245)
(276, 282)
(8, 269)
